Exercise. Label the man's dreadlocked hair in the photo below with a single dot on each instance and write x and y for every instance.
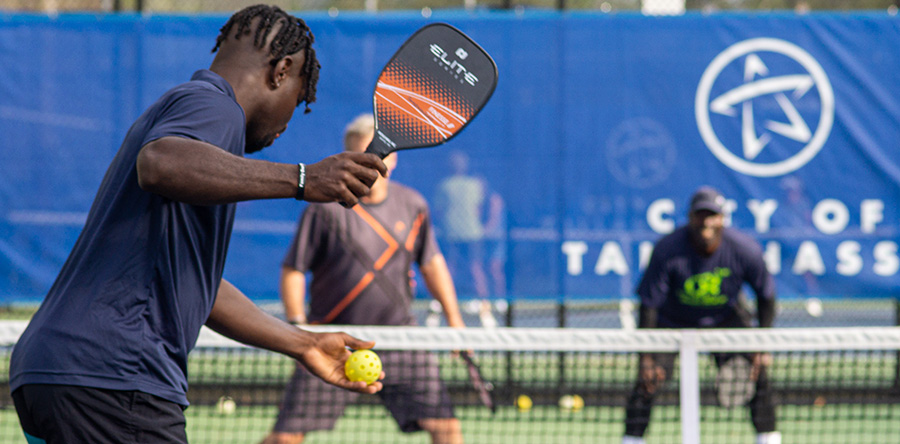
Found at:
(293, 36)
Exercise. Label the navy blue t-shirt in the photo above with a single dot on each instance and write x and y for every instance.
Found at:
(693, 291)
(141, 280)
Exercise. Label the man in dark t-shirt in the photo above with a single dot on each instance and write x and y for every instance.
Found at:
(360, 260)
(694, 280)
(104, 359)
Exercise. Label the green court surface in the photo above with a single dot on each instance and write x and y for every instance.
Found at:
(828, 424)
(822, 425)
(825, 397)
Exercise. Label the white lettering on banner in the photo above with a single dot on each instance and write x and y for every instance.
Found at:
(611, 259)
(886, 261)
(762, 213)
(871, 212)
(849, 261)
(729, 208)
(659, 216)
(574, 251)
(772, 257)
(645, 250)
(830, 216)
(849, 255)
(808, 260)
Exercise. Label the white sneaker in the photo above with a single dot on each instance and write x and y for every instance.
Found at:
(768, 438)
(434, 314)
(484, 314)
(628, 439)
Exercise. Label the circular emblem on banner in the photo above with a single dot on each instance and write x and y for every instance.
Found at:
(640, 152)
(772, 121)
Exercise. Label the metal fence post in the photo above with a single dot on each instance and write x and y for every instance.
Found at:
(689, 388)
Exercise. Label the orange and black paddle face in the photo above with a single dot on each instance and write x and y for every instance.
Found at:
(430, 90)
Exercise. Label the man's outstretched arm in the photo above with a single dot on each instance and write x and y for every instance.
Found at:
(199, 173)
(324, 354)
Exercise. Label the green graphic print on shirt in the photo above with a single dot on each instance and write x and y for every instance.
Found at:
(705, 289)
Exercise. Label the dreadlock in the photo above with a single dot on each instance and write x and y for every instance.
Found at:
(293, 37)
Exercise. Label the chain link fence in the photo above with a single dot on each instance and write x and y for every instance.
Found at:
(609, 6)
(608, 312)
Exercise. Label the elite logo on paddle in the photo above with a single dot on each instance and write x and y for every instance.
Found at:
(454, 66)
(428, 92)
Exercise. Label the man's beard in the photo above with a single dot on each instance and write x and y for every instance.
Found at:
(253, 146)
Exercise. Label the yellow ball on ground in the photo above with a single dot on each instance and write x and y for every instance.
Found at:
(524, 403)
(363, 365)
(226, 406)
(571, 403)
(578, 403)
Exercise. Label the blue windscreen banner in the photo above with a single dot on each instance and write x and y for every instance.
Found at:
(600, 129)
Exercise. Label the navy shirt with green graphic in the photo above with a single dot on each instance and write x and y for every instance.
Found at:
(690, 290)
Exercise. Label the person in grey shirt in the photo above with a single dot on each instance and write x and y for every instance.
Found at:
(361, 264)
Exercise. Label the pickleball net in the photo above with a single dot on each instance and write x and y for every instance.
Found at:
(829, 385)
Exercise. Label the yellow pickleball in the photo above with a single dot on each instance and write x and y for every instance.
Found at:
(524, 403)
(363, 365)
(571, 403)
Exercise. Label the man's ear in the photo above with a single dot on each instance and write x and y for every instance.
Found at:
(280, 71)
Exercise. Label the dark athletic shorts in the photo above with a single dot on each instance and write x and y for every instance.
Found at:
(72, 414)
(741, 319)
(412, 391)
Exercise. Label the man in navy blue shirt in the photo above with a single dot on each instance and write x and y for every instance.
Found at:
(104, 359)
(694, 280)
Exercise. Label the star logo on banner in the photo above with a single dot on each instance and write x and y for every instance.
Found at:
(640, 152)
(758, 128)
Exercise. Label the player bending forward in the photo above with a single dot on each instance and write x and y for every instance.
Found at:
(694, 280)
(105, 357)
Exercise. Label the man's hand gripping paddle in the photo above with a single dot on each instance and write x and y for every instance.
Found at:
(432, 87)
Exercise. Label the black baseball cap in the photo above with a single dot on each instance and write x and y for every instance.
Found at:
(708, 198)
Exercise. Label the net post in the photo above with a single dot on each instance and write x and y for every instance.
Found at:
(897, 323)
(561, 313)
(689, 388)
(561, 320)
(509, 361)
(897, 307)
